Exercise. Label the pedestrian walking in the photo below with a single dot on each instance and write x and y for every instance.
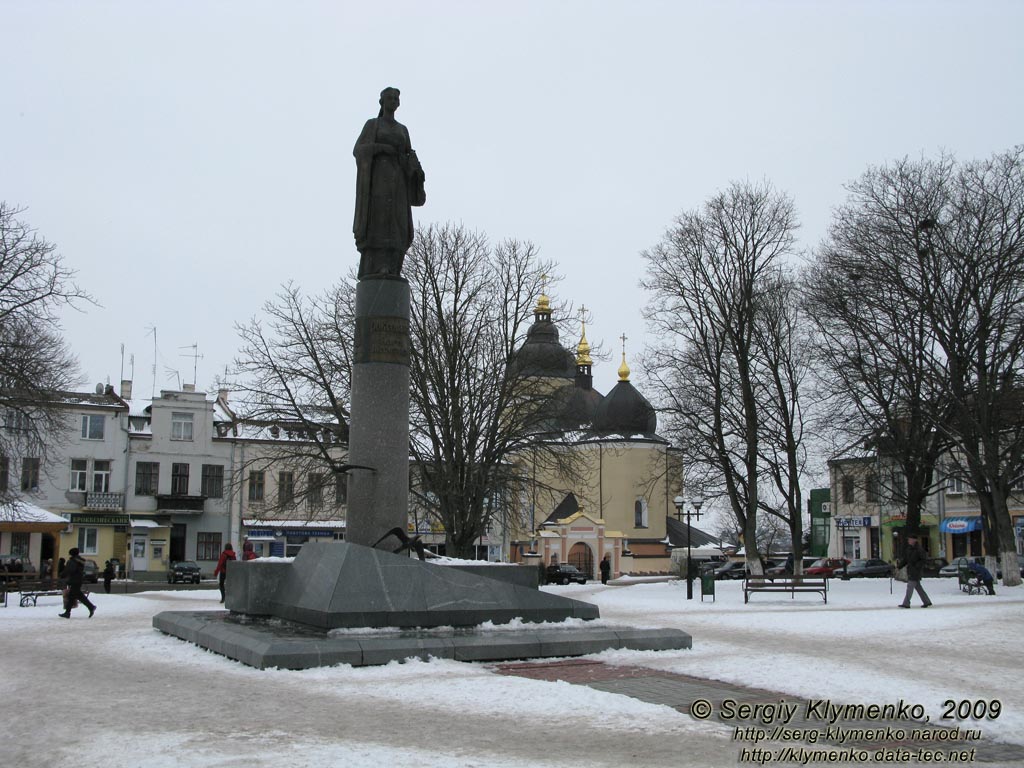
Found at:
(248, 551)
(984, 575)
(913, 559)
(108, 574)
(606, 568)
(222, 566)
(74, 574)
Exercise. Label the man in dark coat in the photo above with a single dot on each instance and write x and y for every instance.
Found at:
(606, 568)
(74, 575)
(984, 575)
(914, 559)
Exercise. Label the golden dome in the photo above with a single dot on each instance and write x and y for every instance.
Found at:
(583, 349)
(623, 369)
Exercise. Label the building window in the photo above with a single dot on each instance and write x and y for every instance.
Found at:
(92, 426)
(30, 474)
(256, 483)
(179, 479)
(315, 495)
(213, 481)
(899, 487)
(16, 421)
(79, 475)
(340, 488)
(101, 476)
(181, 426)
(87, 538)
(20, 543)
(285, 488)
(848, 490)
(871, 489)
(640, 513)
(207, 545)
(147, 478)
(954, 485)
(5, 470)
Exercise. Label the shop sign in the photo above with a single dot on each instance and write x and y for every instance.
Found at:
(853, 522)
(100, 519)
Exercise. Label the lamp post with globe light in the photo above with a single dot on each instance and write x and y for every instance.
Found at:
(693, 511)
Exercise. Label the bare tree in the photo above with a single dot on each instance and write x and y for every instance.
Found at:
(36, 366)
(876, 348)
(919, 293)
(712, 280)
(474, 416)
(784, 351)
(972, 248)
(292, 378)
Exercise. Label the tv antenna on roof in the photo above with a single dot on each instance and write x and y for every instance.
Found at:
(196, 357)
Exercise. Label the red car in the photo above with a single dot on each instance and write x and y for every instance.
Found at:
(826, 566)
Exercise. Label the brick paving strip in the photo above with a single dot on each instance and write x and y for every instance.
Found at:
(680, 691)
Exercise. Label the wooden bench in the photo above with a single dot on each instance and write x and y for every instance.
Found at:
(791, 584)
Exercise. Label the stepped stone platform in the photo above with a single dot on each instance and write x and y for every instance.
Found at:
(301, 614)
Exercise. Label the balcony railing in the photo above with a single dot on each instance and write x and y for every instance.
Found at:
(180, 504)
(107, 502)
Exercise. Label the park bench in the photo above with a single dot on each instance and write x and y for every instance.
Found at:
(791, 584)
(32, 589)
(970, 583)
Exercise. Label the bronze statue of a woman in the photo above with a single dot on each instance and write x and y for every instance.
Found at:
(389, 181)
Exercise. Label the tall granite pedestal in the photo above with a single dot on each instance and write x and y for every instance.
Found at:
(378, 498)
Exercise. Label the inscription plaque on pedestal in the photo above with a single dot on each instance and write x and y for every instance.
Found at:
(382, 340)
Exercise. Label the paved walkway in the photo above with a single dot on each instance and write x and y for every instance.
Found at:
(681, 692)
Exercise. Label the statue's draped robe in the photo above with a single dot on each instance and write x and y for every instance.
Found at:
(383, 220)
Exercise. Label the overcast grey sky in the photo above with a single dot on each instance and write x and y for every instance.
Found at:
(190, 157)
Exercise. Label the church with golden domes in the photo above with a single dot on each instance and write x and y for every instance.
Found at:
(618, 496)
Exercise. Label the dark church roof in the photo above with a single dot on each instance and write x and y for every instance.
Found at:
(579, 406)
(542, 354)
(567, 507)
(676, 530)
(624, 411)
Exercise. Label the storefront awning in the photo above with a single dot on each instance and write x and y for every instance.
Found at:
(146, 524)
(961, 524)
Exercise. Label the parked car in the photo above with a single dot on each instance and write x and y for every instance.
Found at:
(933, 565)
(955, 565)
(184, 571)
(91, 572)
(961, 562)
(871, 567)
(734, 569)
(827, 567)
(565, 573)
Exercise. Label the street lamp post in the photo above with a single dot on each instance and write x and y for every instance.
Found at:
(694, 511)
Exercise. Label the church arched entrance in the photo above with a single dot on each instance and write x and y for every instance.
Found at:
(581, 556)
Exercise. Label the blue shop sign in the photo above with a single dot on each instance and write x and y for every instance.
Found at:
(853, 522)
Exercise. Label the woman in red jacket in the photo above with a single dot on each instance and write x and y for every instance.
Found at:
(222, 566)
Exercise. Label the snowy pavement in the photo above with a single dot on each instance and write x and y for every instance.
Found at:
(112, 691)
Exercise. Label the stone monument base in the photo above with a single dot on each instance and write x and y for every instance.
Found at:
(301, 614)
(268, 643)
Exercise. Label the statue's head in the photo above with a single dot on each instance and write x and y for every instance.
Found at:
(389, 96)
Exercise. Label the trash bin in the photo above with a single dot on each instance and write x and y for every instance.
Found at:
(707, 585)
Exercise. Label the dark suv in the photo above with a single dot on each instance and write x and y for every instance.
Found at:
(184, 571)
(564, 573)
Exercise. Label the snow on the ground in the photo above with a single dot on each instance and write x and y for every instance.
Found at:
(859, 648)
